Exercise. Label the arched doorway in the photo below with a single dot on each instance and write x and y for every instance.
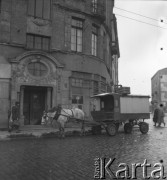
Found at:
(34, 85)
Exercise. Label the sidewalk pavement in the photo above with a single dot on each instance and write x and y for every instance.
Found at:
(43, 131)
(40, 133)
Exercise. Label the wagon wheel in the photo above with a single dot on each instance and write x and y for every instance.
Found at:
(128, 128)
(144, 127)
(111, 129)
(96, 130)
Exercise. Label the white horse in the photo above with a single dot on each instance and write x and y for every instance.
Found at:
(65, 115)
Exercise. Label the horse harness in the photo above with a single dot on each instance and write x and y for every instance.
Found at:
(58, 113)
(69, 116)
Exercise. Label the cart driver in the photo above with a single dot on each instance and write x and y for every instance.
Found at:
(58, 112)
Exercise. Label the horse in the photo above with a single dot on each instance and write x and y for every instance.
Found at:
(47, 118)
(63, 117)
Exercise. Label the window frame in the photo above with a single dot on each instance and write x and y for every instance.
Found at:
(34, 12)
(103, 84)
(77, 82)
(80, 82)
(94, 40)
(95, 87)
(94, 6)
(35, 69)
(78, 102)
(77, 29)
(34, 36)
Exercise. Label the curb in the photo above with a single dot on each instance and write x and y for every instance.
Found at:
(35, 135)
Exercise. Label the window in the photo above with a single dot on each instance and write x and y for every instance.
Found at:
(38, 42)
(76, 35)
(81, 75)
(86, 83)
(80, 79)
(94, 4)
(103, 84)
(77, 82)
(80, 83)
(39, 8)
(94, 40)
(37, 69)
(96, 84)
(77, 99)
(95, 87)
(104, 46)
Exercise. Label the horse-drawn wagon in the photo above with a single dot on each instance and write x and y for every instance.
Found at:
(112, 109)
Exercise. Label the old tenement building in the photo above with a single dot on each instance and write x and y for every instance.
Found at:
(159, 88)
(55, 51)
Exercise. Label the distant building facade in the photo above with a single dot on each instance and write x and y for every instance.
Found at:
(159, 87)
(55, 52)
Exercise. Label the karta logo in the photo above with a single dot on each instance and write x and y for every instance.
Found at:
(103, 168)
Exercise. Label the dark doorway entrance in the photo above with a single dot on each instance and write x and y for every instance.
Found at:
(34, 104)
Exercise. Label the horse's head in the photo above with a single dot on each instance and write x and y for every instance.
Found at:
(44, 117)
(44, 114)
(47, 116)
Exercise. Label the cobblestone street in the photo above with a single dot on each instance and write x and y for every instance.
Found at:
(72, 158)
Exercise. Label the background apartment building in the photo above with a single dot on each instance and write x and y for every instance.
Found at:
(159, 87)
(55, 52)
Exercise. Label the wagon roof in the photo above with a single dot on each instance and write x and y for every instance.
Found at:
(114, 94)
(104, 94)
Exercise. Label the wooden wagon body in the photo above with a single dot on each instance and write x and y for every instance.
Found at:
(112, 109)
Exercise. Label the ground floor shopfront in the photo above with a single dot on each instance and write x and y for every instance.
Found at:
(38, 81)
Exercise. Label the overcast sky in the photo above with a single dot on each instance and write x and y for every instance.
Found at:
(140, 43)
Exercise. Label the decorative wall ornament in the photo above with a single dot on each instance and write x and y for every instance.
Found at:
(39, 26)
(40, 22)
(21, 74)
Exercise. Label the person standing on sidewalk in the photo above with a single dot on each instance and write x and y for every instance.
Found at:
(14, 117)
(58, 112)
(155, 116)
(161, 116)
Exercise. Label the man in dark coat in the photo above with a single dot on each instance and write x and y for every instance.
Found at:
(161, 115)
(15, 115)
(156, 115)
(58, 112)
